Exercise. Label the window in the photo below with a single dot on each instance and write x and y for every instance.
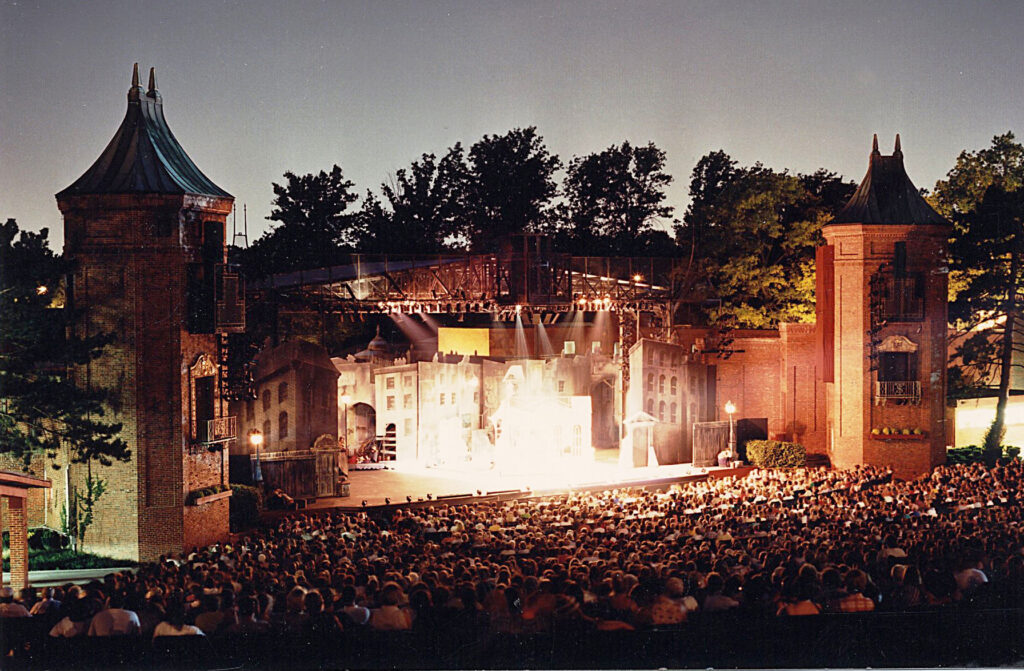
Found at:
(476, 397)
(650, 406)
(441, 399)
(250, 412)
(282, 392)
(453, 398)
(650, 382)
(389, 382)
(896, 366)
(265, 398)
(650, 356)
(661, 411)
(561, 386)
(390, 403)
(672, 412)
(407, 427)
(407, 401)
(282, 425)
(904, 297)
(266, 429)
(674, 385)
(661, 384)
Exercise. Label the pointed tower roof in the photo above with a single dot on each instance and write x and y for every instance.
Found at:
(886, 195)
(144, 156)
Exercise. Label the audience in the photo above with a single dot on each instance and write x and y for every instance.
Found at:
(774, 543)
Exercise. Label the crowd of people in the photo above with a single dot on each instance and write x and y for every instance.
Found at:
(775, 543)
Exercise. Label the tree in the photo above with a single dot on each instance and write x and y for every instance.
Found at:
(41, 408)
(508, 188)
(614, 198)
(751, 234)
(427, 205)
(315, 225)
(983, 195)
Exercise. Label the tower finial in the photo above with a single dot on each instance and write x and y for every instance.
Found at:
(134, 91)
(152, 81)
(874, 146)
(897, 151)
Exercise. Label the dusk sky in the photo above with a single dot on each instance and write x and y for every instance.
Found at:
(252, 89)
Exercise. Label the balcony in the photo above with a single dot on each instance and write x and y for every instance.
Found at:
(219, 430)
(900, 391)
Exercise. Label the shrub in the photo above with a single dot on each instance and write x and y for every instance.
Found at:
(44, 538)
(971, 454)
(776, 454)
(197, 494)
(246, 503)
(46, 560)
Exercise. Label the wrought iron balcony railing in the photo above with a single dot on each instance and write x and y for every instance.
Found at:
(898, 390)
(219, 430)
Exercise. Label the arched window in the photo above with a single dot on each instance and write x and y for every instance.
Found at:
(266, 429)
(650, 382)
(661, 411)
(282, 425)
(661, 384)
(672, 412)
(266, 400)
(650, 406)
(282, 392)
(674, 385)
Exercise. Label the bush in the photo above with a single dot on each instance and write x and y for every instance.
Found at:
(975, 454)
(44, 538)
(197, 494)
(776, 454)
(246, 503)
(46, 560)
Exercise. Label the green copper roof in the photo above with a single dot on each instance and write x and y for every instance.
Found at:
(144, 156)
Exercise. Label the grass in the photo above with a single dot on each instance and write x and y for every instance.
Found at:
(45, 560)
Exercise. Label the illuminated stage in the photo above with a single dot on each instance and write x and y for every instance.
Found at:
(453, 483)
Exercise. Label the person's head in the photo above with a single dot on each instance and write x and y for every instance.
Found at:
(295, 600)
(391, 595)
(314, 603)
(6, 595)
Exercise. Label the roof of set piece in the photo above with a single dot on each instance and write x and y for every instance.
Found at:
(144, 156)
(886, 195)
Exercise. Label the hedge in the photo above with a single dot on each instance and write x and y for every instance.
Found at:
(776, 454)
(975, 454)
(246, 503)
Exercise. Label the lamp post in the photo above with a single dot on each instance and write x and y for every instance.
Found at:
(256, 439)
(730, 408)
(345, 400)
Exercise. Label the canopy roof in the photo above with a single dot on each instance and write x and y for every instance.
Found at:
(144, 157)
(886, 195)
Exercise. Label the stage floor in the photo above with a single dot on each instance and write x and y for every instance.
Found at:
(398, 481)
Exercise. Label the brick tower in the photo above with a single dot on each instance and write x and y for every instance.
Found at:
(882, 323)
(145, 228)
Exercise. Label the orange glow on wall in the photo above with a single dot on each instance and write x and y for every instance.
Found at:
(465, 341)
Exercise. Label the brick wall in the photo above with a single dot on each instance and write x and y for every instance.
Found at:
(132, 253)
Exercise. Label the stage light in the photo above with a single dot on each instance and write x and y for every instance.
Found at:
(408, 499)
(364, 503)
(638, 277)
(387, 501)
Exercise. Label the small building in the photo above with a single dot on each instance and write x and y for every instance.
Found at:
(296, 402)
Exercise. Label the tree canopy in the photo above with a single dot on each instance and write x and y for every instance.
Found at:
(613, 199)
(41, 408)
(750, 234)
(509, 187)
(316, 224)
(983, 195)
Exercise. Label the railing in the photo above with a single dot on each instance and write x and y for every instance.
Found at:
(217, 430)
(898, 390)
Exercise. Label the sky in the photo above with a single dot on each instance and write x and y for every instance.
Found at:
(253, 89)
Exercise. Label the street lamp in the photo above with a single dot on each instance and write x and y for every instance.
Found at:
(256, 439)
(345, 400)
(730, 408)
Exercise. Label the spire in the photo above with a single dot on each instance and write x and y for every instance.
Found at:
(874, 146)
(897, 151)
(152, 82)
(135, 90)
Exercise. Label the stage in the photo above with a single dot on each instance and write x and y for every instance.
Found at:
(457, 483)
